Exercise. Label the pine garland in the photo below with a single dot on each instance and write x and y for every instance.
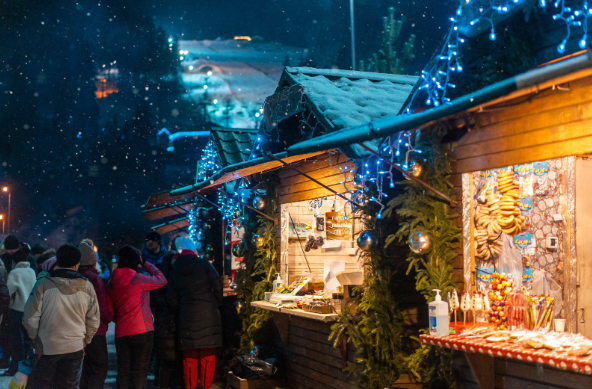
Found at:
(256, 277)
(423, 211)
(377, 331)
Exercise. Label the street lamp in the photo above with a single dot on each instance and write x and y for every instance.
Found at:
(5, 189)
(2, 218)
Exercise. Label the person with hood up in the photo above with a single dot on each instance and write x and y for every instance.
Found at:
(20, 282)
(128, 298)
(195, 292)
(96, 357)
(154, 250)
(47, 254)
(61, 317)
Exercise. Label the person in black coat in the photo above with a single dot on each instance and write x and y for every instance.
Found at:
(195, 293)
(4, 309)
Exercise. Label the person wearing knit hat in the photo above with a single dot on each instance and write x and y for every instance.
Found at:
(128, 299)
(15, 252)
(154, 250)
(89, 255)
(96, 357)
(11, 243)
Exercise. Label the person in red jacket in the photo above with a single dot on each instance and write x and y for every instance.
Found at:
(96, 358)
(128, 298)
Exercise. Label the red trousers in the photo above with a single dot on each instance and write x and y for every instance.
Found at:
(203, 359)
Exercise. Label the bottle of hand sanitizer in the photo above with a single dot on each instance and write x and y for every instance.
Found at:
(438, 311)
(277, 282)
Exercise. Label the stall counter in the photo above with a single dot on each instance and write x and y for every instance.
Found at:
(563, 370)
(325, 318)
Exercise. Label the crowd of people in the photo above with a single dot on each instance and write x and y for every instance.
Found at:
(56, 307)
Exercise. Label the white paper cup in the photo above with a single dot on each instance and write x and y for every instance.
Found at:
(559, 325)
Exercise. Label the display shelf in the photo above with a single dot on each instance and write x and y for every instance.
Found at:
(328, 318)
(558, 360)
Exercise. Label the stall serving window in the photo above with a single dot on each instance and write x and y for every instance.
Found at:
(318, 240)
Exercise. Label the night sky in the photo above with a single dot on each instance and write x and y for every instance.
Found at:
(301, 22)
(81, 167)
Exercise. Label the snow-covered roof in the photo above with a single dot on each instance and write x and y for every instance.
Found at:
(232, 144)
(347, 98)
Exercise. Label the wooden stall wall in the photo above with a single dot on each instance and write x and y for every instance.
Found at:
(512, 374)
(300, 260)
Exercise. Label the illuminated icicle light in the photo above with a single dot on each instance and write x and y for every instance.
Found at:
(392, 184)
(561, 47)
(583, 42)
(543, 3)
(379, 215)
(492, 35)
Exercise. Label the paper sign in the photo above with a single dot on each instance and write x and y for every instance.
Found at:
(331, 269)
(523, 170)
(337, 227)
(526, 274)
(523, 240)
(541, 168)
(525, 204)
(298, 230)
(484, 273)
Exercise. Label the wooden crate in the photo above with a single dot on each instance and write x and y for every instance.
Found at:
(235, 382)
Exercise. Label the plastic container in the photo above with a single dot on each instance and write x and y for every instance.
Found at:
(438, 311)
(277, 282)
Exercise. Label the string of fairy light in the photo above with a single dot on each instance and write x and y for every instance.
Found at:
(447, 60)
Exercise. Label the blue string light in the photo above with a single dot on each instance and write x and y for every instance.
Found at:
(436, 76)
(208, 164)
(576, 18)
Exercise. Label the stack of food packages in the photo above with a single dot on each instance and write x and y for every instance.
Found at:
(501, 288)
(312, 299)
(497, 214)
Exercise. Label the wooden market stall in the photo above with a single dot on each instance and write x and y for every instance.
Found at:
(537, 126)
(311, 102)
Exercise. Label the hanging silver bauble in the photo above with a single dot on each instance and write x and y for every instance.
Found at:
(259, 203)
(413, 167)
(257, 241)
(368, 240)
(420, 242)
(238, 250)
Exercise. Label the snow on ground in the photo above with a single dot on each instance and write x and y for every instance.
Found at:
(110, 382)
(233, 77)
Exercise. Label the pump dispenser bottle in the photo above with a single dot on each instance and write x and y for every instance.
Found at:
(438, 311)
(277, 282)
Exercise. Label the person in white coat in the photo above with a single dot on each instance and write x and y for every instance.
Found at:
(20, 282)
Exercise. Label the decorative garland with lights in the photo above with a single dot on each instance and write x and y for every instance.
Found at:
(447, 59)
(429, 229)
(260, 260)
(208, 163)
(377, 331)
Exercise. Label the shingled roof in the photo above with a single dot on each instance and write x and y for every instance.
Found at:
(337, 98)
(233, 145)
